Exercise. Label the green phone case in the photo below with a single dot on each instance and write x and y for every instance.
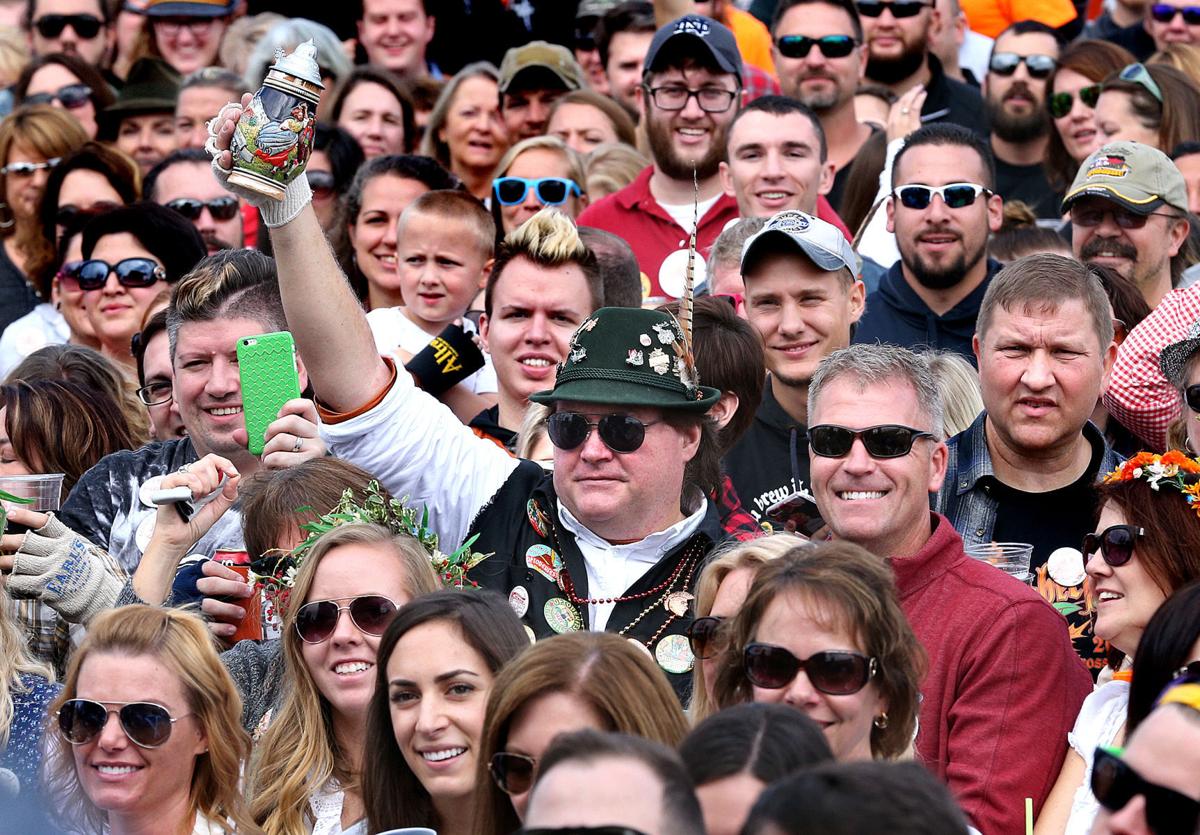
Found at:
(267, 365)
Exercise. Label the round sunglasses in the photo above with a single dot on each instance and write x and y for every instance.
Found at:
(831, 46)
(707, 637)
(833, 672)
(131, 272)
(1115, 783)
(513, 773)
(899, 10)
(620, 433)
(550, 191)
(954, 195)
(1006, 63)
(370, 613)
(1115, 543)
(148, 725)
(1060, 104)
(221, 208)
(886, 441)
(1191, 396)
(72, 96)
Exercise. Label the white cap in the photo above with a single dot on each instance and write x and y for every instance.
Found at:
(822, 242)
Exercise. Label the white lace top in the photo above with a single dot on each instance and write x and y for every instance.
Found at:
(326, 807)
(1099, 722)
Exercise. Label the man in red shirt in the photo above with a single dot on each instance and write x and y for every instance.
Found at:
(691, 90)
(1004, 684)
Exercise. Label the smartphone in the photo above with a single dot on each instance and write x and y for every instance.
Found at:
(267, 365)
(796, 513)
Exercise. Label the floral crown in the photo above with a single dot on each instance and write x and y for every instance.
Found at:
(276, 573)
(1173, 468)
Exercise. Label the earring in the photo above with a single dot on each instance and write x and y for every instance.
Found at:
(11, 221)
(881, 721)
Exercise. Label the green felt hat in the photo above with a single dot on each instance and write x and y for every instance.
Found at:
(623, 356)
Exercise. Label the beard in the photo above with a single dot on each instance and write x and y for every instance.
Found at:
(888, 70)
(658, 132)
(214, 243)
(941, 277)
(1017, 128)
(818, 101)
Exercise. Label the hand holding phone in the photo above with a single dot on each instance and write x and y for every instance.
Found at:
(796, 513)
(267, 366)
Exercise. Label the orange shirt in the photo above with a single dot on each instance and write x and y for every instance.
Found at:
(991, 17)
(753, 38)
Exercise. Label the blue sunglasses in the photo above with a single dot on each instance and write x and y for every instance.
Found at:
(550, 191)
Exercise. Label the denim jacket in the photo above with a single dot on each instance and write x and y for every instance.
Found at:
(964, 502)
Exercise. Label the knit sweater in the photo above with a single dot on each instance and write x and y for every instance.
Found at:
(1003, 685)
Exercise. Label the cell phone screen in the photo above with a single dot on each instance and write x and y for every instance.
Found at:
(796, 513)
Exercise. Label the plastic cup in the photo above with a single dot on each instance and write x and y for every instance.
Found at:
(45, 489)
(410, 830)
(1010, 557)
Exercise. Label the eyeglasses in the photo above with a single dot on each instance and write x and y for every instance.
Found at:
(833, 672)
(131, 272)
(886, 441)
(1006, 63)
(1115, 544)
(1060, 104)
(221, 208)
(148, 725)
(72, 96)
(620, 433)
(831, 46)
(321, 183)
(550, 191)
(86, 26)
(170, 26)
(1191, 396)
(513, 773)
(1089, 216)
(1115, 783)
(707, 636)
(954, 195)
(1138, 74)
(899, 10)
(155, 394)
(674, 97)
(28, 169)
(1165, 14)
(1189, 671)
(370, 613)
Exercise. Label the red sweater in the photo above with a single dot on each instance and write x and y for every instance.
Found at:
(1004, 684)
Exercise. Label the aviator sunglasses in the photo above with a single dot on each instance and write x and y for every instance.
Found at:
(1115, 783)
(221, 208)
(886, 441)
(833, 672)
(954, 195)
(371, 614)
(1006, 63)
(72, 96)
(513, 773)
(131, 272)
(831, 46)
(620, 433)
(1115, 544)
(147, 725)
(550, 191)
(1060, 104)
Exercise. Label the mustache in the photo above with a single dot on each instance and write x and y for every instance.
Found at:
(1096, 246)
(1019, 88)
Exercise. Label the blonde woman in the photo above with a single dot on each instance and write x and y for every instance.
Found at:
(720, 592)
(958, 382)
(535, 173)
(466, 134)
(610, 168)
(306, 772)
(148, 734)
(26, 689)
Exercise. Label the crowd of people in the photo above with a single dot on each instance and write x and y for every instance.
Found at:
(738, 416)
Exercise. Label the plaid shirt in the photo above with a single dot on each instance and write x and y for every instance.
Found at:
(1138, 394)
(735, 521)
(962, 498)
(757, 83)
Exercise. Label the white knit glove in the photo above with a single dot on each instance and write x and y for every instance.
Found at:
(274, 213)
(65, 571)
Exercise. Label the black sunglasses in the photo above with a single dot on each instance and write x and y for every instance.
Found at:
(1060, 104)
(1188, 672)
(72, 96)
(1191, 396)
(1091, 216)
(834, 672)
(707, 636)
(1115, 783)
(221, 208)
(1006, 63)
(513, 773)
(581, 830)
(1164, 13)
(86, 26)
(131, 272)
(831, 46)
(620, 433)
(147, 725)
(954, 195)
(886, 441)
(317, 620)
(1115, 544)
(70, 214)
(898, 10)
(321, 183)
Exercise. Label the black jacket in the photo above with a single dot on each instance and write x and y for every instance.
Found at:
(950, 100)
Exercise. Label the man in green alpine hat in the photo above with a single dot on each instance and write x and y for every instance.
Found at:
(615, 537)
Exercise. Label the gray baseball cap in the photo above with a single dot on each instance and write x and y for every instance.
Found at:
(789, 230)
(713, 38)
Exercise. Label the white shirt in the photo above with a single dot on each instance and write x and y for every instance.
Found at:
(1100, 721)
(392, 329)
(326, 807)
(613, 569)
(685, 214)
(38, 328)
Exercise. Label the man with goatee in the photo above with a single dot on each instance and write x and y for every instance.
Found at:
(1014, 91)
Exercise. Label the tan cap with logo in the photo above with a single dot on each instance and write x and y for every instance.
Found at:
(1139, 177)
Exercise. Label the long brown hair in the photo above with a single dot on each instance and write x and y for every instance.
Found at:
(858, 592)
(1176, 116)
(1169, 550)
(619, 683)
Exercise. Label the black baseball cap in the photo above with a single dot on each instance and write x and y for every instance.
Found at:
(695, 32)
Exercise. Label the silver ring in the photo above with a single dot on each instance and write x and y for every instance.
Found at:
(299, 443)
(183, 469)
(904, 111)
